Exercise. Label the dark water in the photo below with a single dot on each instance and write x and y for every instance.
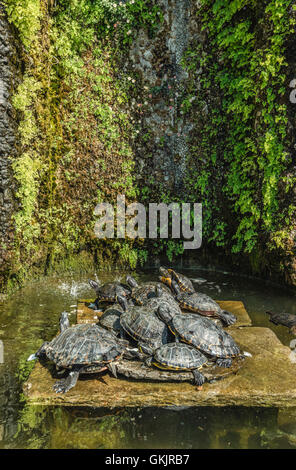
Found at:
(31, 317)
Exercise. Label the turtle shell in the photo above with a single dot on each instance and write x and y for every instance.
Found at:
(198, 303)
(154, 302)
(168, 275)
(108, 292)
(111, 318)
(205, 335)
(143, 325)
(204, 305)
(146, 291)
(184, 282)
(83, 345)
(178, 356)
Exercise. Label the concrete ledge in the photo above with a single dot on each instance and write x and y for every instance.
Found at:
(265, 379)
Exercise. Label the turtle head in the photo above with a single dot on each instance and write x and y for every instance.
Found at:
(165, 276)
(164, 313)
(32, 357)
(158, 291)
(93, 284)
(64, 321)
(131, 281)
(41, 352)
(122, 302)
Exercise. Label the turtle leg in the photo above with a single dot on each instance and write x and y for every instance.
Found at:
(148, 361)
(111, 367)
(134, 353)
(64, 385)
(145, 349)
(199, 378)
(227, 318)
(224, 362)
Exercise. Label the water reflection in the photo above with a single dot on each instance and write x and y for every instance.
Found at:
(197, 428)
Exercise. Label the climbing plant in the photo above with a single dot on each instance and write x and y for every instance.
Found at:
(240, 151)
(75, 124)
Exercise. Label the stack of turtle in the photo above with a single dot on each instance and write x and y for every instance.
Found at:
(145, 323)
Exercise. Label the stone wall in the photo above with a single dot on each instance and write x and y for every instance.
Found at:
(158, 62)
(8, 144)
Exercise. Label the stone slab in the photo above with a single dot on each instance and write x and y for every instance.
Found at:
(265, 379)
(87, 315)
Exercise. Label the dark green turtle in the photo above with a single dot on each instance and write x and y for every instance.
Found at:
(179, 356)
(285, 319)
(81, 349)
(110, 319)
(108, 292)
(203, 334)
(202, 304)
(143, 325)
(168, 275)
(160, 297)
(141, 293)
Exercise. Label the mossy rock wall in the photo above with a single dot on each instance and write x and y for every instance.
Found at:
(161, 101)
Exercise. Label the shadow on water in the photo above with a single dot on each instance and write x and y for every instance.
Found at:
(31, 316)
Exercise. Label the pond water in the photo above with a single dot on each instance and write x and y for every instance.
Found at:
(31, 316)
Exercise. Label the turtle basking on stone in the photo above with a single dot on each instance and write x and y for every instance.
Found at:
(169, 275)
(203, 334)
(285, 319)
(202, 304)
(108, 292)
(143, 325)
(177, 357)
(81, 349)
(110, 319)
(160, 297)
(141, 293)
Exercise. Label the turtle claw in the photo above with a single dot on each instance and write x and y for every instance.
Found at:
(227, 318)
(61, 387)
(224, 362)
(64, 385)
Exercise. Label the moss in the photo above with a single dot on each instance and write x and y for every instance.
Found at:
(75, 124)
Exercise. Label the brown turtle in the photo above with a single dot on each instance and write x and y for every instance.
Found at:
(202, 304)
(168, 275)
(285, 319)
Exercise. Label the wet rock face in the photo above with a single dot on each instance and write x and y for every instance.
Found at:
(158, 62)
(8, 126)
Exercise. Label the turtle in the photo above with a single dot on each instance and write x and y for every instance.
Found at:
(143, 325)
(179, 356)
(202, 304)
(162, 296)
(108, 292)
(110, 319)
(203, 334)
(285, 319)
(168, 275)
(81, 349)
(141, 293)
